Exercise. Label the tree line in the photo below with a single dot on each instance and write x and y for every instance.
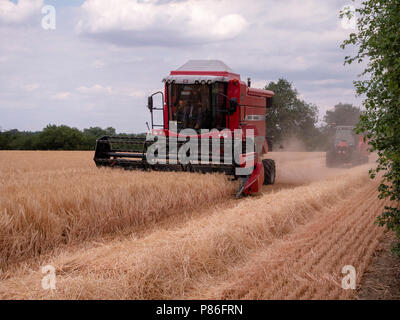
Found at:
(55, 137)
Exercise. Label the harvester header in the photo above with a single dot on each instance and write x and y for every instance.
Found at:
(212, 122)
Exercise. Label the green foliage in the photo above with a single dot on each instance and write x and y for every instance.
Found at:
(60, 138)
(378, 42)
(93, 133)
(291, 117)
(16, 140)
(3, 142)
(343, 115)
(55, 138)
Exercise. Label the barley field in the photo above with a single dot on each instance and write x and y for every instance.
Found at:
(114, 234)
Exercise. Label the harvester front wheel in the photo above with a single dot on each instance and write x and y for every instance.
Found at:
(269, 171)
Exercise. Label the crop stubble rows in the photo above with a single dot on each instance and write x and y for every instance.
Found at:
(287, 243)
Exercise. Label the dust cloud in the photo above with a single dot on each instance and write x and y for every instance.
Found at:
(293, 144)
(295, 166)
(299, 168)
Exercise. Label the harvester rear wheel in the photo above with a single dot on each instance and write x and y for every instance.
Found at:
(269, 171)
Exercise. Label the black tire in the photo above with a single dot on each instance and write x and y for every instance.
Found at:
(269, 171)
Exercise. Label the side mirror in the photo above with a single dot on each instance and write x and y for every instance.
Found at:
(233, 105)
(269, 102)
(150, 103)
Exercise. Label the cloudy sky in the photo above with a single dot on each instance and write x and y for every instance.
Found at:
(105, 56)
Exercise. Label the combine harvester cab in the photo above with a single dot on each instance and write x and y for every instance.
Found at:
(212, 122)
(347, 148)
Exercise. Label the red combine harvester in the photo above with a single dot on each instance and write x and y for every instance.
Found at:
(347, 148)
(210, 117)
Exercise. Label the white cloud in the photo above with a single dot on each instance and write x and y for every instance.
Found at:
(122, 90)
(61, 96)
(259, 84)
(98, 64)
(95, 89)
(325, 82)
(31, 87)
(137, 94)
(19, 12)
(91, 80)
(205, 20)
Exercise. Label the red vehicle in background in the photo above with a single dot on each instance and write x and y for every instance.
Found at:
(347, 148)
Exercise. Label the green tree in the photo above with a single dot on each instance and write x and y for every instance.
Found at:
(17, 140)
(93, 133)
(290, 116)
(343, 115)
(378, 41)
(3, 141)
(23, 141)
(99, 132)
(54, 138)
(60, 138)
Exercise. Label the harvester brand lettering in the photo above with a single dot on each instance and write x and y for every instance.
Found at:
(184, 311)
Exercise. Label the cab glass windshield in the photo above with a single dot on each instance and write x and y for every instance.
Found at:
(197, 106)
